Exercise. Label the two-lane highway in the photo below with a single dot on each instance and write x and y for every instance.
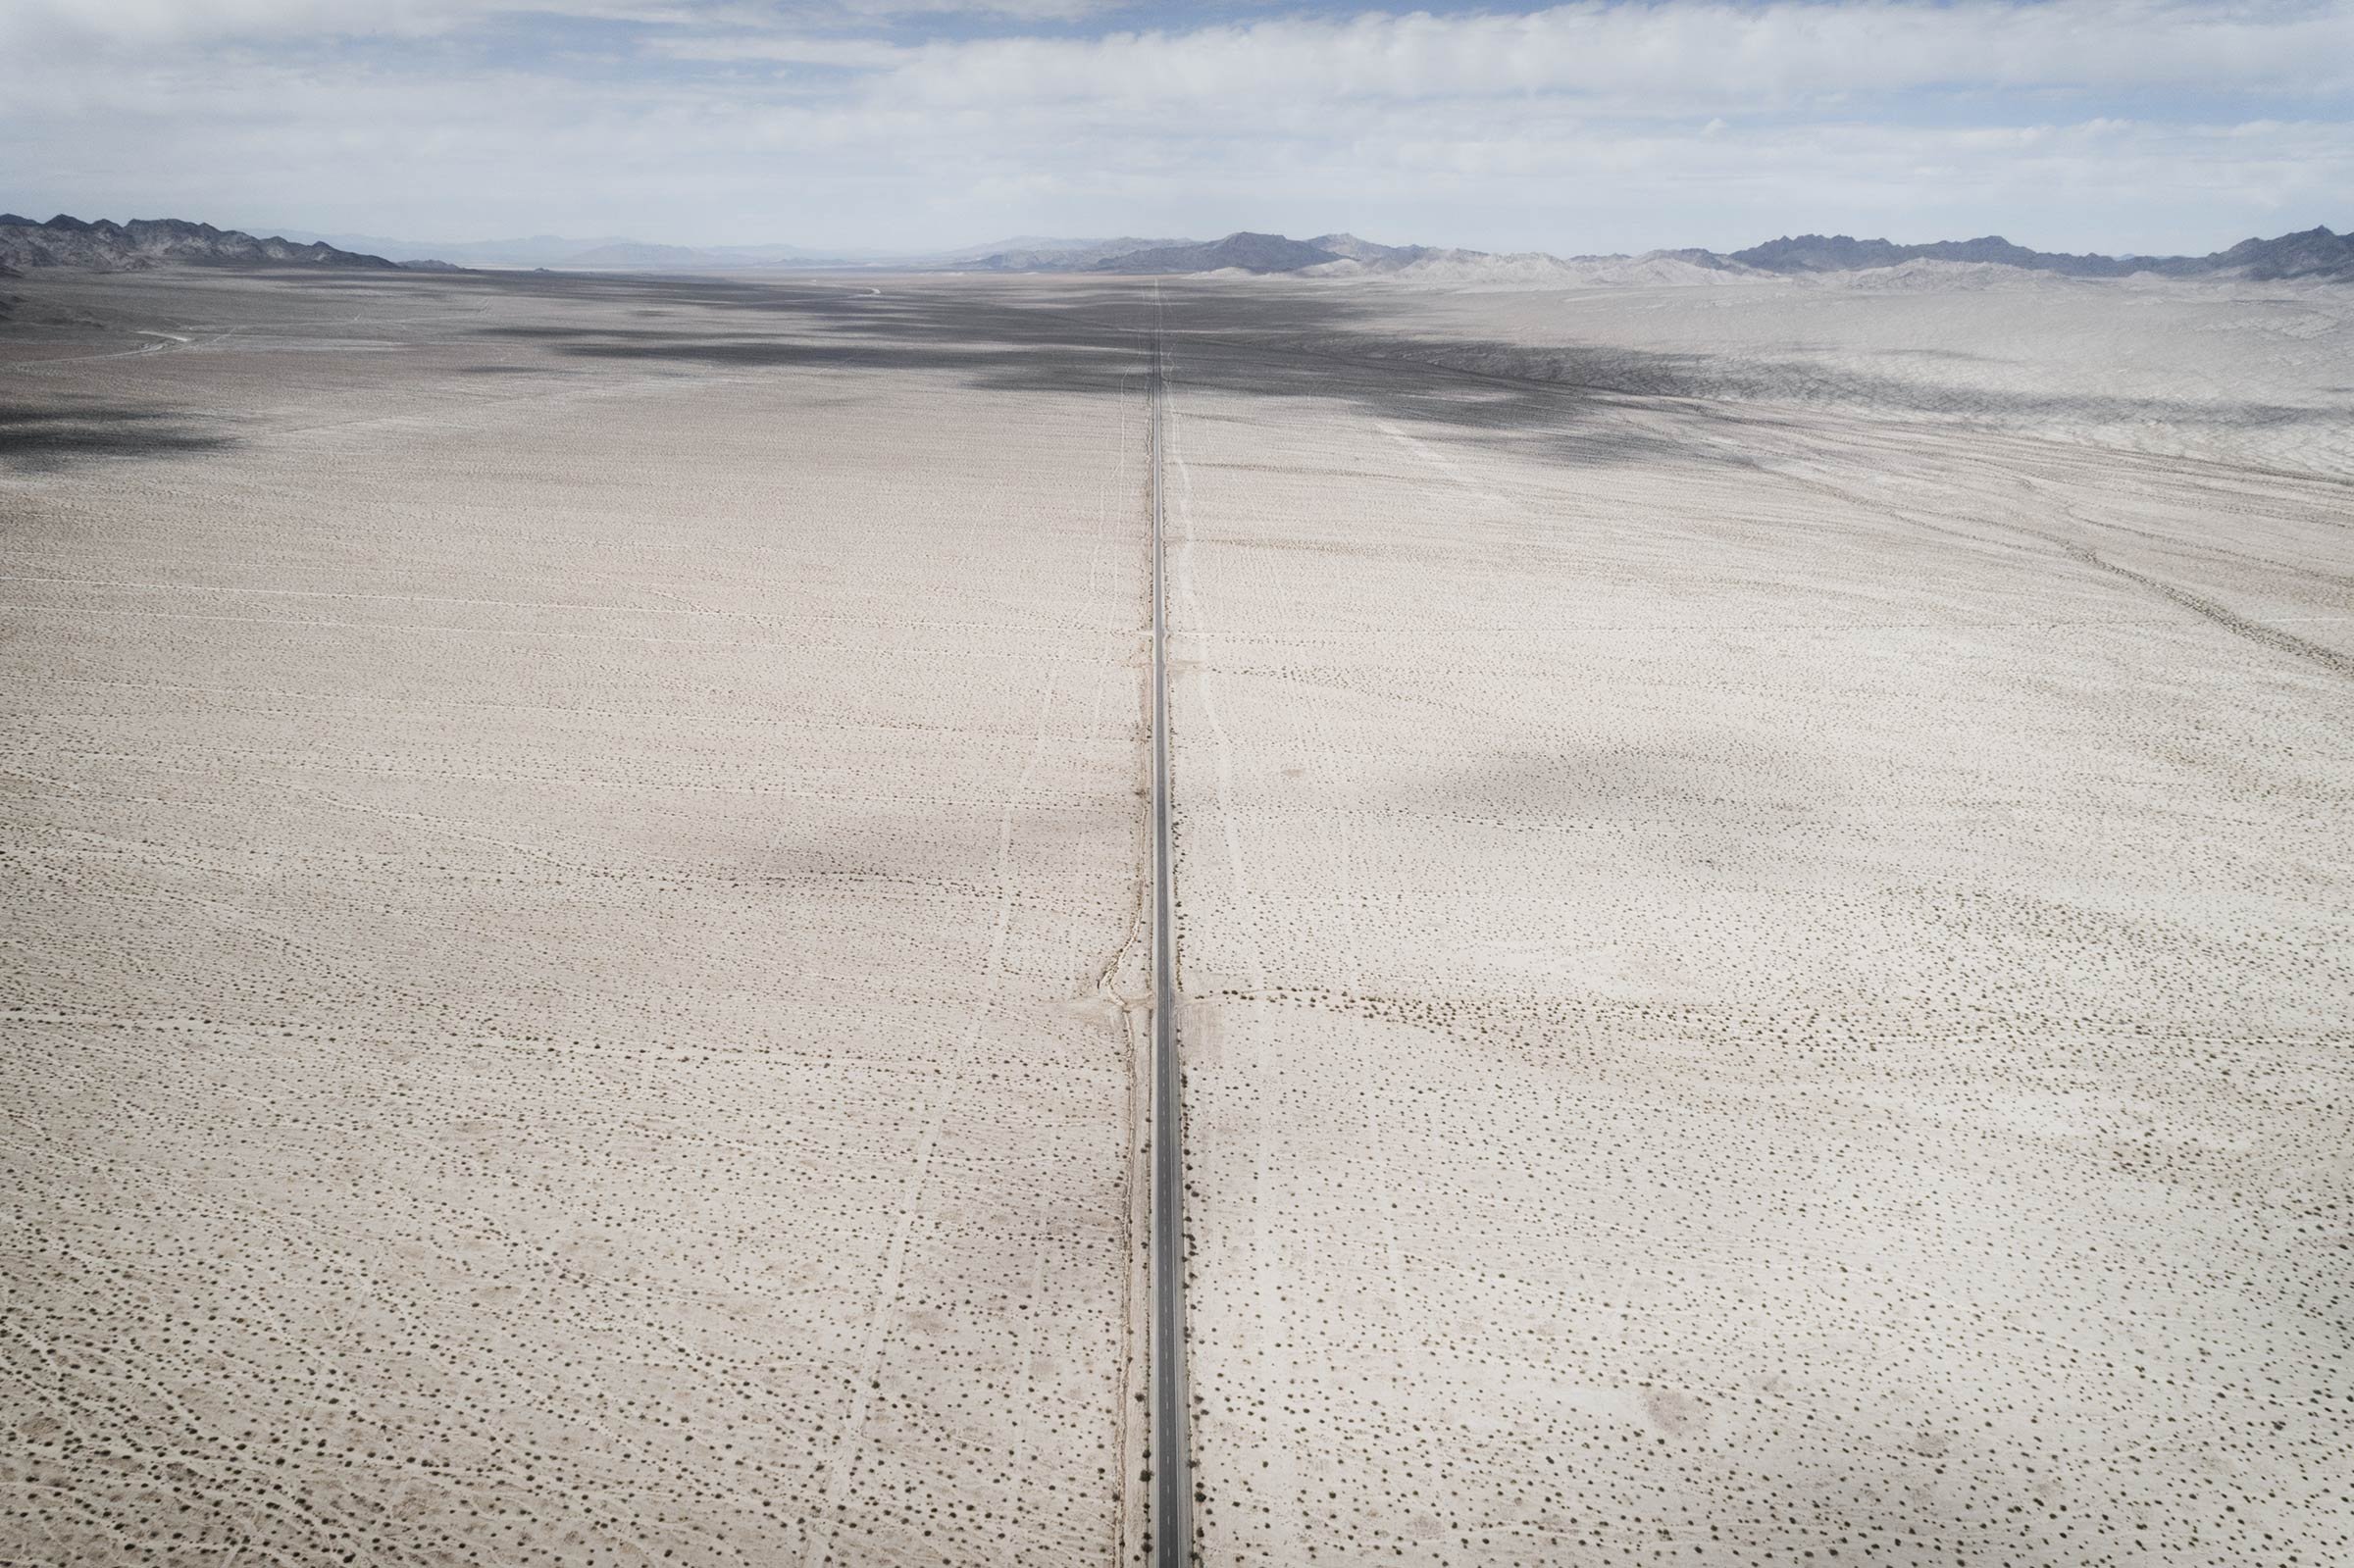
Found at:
(1172, 1461)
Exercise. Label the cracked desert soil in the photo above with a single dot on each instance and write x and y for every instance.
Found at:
(562, 933)
(1764, 911)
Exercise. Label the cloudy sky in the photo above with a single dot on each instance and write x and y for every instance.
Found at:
(2113, 125)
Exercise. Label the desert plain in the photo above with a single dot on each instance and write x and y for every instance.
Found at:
(1765, 919)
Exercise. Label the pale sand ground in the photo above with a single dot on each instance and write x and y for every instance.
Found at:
(2241, 373)
(556, 935)
(1770, 952)
(1772, 985)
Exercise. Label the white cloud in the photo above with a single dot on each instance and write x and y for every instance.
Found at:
(1681, 53)
(1577, 127)
(782, 48)
(60, 24)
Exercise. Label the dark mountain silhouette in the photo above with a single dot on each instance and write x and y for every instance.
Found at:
(1838, 253)
(66, 242)
(2312, 253)
(2315, 253)
(111, 247)
(1251, 253)
(1370, 253)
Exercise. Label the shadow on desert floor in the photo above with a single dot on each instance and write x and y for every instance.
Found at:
(1258, 340)
(46, 439)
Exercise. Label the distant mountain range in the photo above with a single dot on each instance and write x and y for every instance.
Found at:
(602, 253)
(63, 241)
(1247, 252)
(111, 247)
(2313, 253)
(1023, 253)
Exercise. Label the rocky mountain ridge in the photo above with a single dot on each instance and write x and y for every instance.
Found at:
(2312, 253)
(103, 245)
(1242, 251)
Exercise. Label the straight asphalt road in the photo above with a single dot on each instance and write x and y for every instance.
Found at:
(1172, 1458)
